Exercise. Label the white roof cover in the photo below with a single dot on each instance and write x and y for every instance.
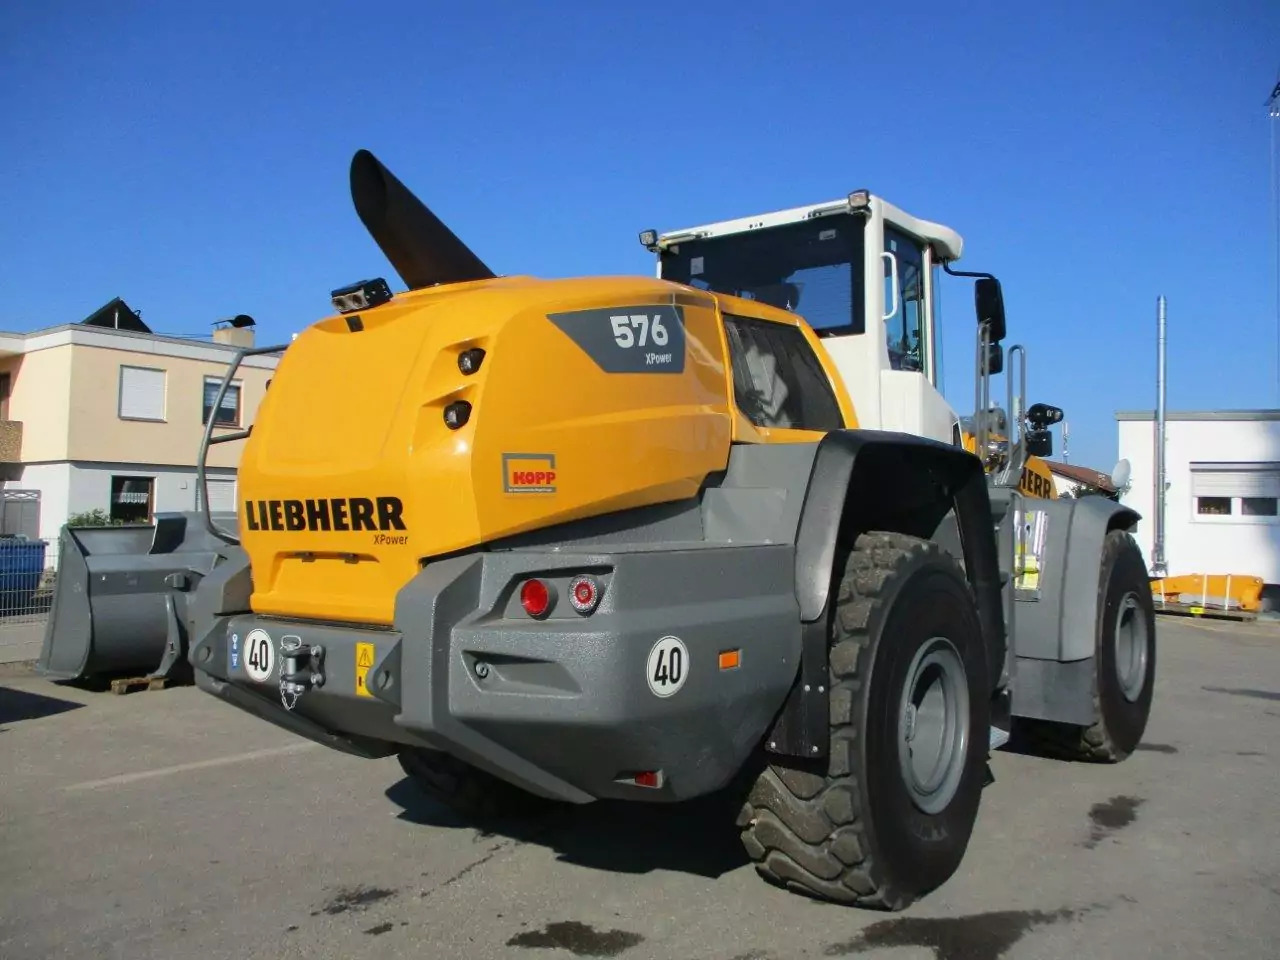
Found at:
(946, 243)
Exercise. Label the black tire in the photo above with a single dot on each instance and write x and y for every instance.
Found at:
(1121, 722)
(847, 829)
(473, 793)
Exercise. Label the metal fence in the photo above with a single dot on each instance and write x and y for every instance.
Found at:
(27, 574)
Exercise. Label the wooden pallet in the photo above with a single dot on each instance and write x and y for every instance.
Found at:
(130, 684)
(1196, 610)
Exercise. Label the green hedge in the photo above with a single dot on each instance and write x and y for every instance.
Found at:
(93, 518)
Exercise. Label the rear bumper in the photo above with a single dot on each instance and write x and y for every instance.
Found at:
(562, 706)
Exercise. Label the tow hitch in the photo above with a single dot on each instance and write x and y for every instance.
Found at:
(301, 668)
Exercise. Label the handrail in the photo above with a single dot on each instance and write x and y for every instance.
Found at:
(202, 477)
(1011, 475)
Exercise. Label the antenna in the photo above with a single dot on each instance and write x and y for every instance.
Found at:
(1273, 104)
(1158, 564)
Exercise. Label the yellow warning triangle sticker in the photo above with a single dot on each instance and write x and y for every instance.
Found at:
(365, 657)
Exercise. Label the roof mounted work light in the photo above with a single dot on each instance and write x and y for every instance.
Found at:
(361, 296)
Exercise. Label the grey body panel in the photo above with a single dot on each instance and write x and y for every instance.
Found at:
(758, 499)
(119, 603)
(562, 707)
(762, 495)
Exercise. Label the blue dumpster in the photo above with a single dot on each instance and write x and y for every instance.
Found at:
(21, 566)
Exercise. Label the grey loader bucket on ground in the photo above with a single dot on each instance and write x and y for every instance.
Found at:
(119, 605)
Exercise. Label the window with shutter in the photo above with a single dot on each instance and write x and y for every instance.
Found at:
(1236, 490)
(222, 495)
(132, 499)
(229, 410)
(142, 393)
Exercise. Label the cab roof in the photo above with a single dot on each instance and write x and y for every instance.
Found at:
(945, 242)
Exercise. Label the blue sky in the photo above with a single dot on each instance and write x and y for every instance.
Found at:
(193, 159)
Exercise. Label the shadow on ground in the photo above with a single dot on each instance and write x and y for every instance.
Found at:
(696, 837)
(16, 705)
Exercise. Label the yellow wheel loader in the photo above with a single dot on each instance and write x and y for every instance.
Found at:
(650, 538)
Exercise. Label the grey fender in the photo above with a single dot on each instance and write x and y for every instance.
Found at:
(1055, 629)
(879, 480)
(1091, 521)
(1061, 624)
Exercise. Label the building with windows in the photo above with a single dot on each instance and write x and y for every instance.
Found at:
(106, 415)
(1222, 489)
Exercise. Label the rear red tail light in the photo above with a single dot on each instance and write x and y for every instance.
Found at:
(535, 598)
(584, 594)
(649, 778)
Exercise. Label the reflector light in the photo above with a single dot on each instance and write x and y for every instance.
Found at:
(457, 414)
(535, 598)
(584, 594)
(469, 360)
(649, 778)
(729, 659)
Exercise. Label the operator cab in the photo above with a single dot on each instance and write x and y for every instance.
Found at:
(814, 261)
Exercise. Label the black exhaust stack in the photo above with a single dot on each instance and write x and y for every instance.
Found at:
(421, 248)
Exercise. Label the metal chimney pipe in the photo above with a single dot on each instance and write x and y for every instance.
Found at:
(1158, 565)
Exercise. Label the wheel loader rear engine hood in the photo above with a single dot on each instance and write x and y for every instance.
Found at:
(354, 475)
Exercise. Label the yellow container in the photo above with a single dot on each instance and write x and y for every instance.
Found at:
(1223, 591)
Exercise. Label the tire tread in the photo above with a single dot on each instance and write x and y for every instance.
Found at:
(776, 820)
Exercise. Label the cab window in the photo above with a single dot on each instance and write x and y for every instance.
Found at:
(904, 326)
(777, 379)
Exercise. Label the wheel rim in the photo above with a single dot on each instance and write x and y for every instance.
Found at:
(933, 725)
(1131, 648)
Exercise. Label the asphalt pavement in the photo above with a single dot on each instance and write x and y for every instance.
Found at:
(164, 824)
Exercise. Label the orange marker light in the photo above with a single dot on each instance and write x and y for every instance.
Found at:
(729, 659)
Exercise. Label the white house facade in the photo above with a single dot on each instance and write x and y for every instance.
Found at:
(1222, 493)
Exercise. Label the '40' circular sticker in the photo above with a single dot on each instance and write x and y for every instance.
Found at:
(259, 655)
(668, 666)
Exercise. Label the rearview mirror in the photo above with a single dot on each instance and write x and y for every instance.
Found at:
(989, 304)
(1039, 443)
(995, 358)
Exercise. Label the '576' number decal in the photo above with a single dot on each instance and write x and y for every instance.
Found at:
(629, 338)
(625, 329)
